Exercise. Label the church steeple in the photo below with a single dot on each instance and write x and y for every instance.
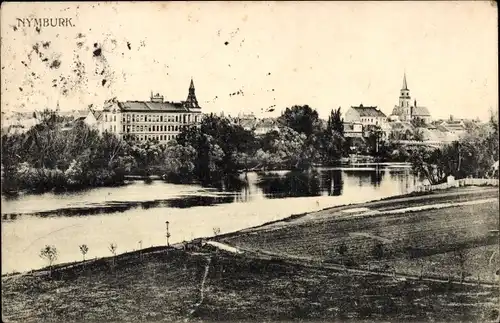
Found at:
(191, 101)
(405, 101)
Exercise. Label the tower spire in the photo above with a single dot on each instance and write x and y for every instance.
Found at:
(191, 100)
(405, 87)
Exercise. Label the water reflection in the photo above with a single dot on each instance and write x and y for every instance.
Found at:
(332, 182)
(245, 188)
(373, 177)
(137, 211)
(181, 202)
(291, 184)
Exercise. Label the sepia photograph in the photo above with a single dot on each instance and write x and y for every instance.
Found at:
(250, 161)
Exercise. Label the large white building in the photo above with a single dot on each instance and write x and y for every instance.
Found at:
(155, 119)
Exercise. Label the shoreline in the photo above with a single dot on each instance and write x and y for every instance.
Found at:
(288, 219)
(225, 235)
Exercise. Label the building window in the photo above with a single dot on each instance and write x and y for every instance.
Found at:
(123, 128)
(149, 129)
(114, 128)
(106, 118)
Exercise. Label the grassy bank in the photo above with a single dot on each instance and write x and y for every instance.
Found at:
(290, 271)
(166, 286)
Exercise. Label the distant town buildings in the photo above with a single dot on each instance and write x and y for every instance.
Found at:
(406, 110)
(360, 119)
(259, 126)
(161, 120)
(365, 116)
(19, 122)
(155, 119)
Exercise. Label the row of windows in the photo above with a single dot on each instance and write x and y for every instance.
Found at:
(152, 128)
(152, 137)
(370, 120)
(183, 118)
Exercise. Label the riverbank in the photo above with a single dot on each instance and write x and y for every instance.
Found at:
(292, 269)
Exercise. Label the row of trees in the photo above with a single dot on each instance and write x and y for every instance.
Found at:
(471, 156)
(49, 156)
(50, 253)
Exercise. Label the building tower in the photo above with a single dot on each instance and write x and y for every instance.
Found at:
(405, 101)
(191, 101)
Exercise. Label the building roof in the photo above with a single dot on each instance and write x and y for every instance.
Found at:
(148, 106)
(396, 111)
(97, 114)
(369, 111)
(421, 111)
(405, 87)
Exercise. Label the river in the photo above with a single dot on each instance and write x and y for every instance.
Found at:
(135, 215)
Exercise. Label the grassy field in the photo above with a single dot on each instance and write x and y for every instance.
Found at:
(166, 287)
(273, 290)
(161, 285)
(442, 241)
(289, 273)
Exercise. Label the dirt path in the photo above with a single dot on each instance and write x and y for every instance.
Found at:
(202, 288)
(365, 210)
(364, 207)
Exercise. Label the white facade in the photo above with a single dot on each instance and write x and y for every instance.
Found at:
(365, 116)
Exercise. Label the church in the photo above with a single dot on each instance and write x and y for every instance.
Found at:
(406, 111)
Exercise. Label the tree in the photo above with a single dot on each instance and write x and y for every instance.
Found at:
(374, 139)
(112, 247)
(428, 163)
(179, 161)
(290, 149)
(333, 143)
(418, 122)
(50, 254)
(471, 155)
(216, 231)
(302, 119)
(84, 249)
(418, 134)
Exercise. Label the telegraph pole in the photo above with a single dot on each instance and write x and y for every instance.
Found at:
(168, 234)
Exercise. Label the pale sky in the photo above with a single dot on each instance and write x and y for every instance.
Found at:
(325, 54)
